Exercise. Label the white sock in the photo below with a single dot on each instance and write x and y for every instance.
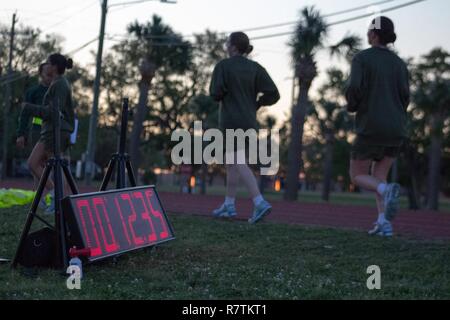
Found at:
(229, 201)
(381, 189)
(381, 219)
(257, 200)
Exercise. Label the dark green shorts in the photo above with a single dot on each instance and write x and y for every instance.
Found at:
(47, 140)
(35, 134)
(375, 153)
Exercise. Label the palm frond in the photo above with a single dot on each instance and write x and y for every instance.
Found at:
(161, 44)
(347, 47)
(310, 32)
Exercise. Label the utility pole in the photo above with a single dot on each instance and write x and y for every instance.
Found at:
(294, 87)
(90, 152)
(7, 102)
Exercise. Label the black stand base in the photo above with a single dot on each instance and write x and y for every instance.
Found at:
(58, 166)
(123, 163)
(120, 159)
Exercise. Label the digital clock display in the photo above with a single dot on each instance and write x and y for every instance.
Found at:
(118, 221)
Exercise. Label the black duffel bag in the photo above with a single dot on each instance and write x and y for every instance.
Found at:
(39, 249)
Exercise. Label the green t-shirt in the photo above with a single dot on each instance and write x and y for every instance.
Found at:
(378, 91)
(242, 86)
(61, 92)
(34, 95)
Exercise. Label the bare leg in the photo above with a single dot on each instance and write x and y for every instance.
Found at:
(36, 163)
(249, 179)
(359, 173)
(380, 171)
(232, 181)
(379, 199)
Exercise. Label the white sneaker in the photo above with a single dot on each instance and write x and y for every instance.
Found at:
(382, 230)
(391, 200)
(225, 211)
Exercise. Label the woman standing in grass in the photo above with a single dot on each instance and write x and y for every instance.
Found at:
(34, 95)
(241, 86)
(61, 92)
(378, 91)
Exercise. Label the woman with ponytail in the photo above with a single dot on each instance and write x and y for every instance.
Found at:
(59, 92)
(378, 92)
(242, 86)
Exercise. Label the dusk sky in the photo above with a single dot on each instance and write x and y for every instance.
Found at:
(420, 27)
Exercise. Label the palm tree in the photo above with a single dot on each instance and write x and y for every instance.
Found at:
(208, 51)
(431, 95)
(309, 37)
(268, 123)
(203, 108)
(163, 51)
(332, 119)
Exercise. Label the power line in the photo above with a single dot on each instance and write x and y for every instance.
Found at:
(130, 3)
(342, 21)
(82, 46)
(39, 15)
(333, 14)
(353, 9)
(53, 12)
(291, 32)
(70, 17)
(7, 80)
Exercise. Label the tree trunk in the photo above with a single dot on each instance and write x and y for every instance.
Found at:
(413, 199)
(204, 176)
(434, 172)
(394, 172)
(413, 189)
(262, 183)
(211, 179)
(296, 144)
(328, 168)
(147, 70)
(263, 179)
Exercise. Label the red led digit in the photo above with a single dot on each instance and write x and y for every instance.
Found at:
(114, 222)
(132, 219)
(124, 226)
(95, 251)
(110, 247)
(163, 234)
(145, 215)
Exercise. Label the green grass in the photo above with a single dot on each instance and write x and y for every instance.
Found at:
(232, 260)
(340, 198)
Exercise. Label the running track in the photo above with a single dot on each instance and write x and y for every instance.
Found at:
(414, 224)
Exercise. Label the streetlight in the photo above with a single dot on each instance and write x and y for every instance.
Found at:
(90, 152)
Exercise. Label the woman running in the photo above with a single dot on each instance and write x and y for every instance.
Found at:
(242, 86)
(61, 92)
(378, 91)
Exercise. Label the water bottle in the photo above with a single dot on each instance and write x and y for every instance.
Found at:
(75, 261)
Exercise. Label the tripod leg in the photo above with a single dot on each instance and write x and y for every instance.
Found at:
(121, 183)
(59, 217)
(32, 212)
(70, 179)
(109, 172)
(131, 175)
